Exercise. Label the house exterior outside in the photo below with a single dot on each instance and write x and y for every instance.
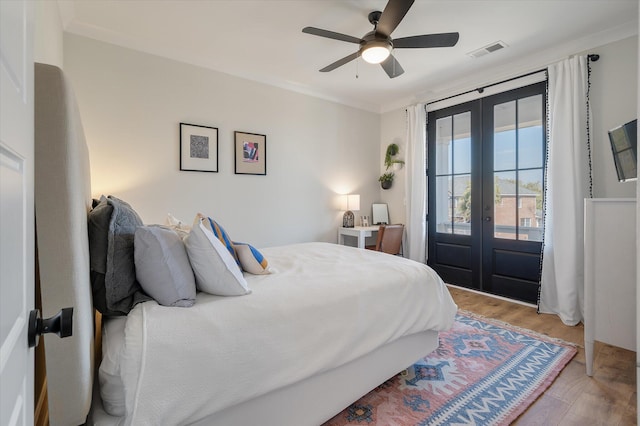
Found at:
(517, 209)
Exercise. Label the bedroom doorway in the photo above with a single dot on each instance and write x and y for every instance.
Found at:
(486, 189)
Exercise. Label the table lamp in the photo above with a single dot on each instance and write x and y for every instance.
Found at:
(353, 203)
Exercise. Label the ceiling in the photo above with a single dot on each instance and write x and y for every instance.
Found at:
(262, 40)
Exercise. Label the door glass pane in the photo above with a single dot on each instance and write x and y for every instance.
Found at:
(462, 205)
(530, 205)
(505, 211)
(462, 143)
(443, 204)
(530, 136)
(453, 174)
(443, 146)
(504, 136)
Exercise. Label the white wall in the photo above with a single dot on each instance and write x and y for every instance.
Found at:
(48, 39)
(614, 84)
(393, 130)
(132, 103)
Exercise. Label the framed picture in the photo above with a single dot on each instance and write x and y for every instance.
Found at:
(198, 148)
(250, 153)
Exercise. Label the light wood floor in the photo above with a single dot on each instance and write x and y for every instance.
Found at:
(608, 398)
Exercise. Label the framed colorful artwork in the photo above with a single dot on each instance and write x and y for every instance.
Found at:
(250, 153)
(198, 148)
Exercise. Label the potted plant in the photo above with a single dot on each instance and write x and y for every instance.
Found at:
(387, 178)
(392, 151)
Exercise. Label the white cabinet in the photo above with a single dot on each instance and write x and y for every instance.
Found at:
(609, 274)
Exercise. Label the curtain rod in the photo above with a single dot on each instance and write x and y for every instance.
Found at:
(593, 57)
(481, 89)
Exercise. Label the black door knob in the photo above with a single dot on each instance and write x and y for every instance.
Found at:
(61, 324)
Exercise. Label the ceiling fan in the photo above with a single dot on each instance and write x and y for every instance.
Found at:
(376, 45)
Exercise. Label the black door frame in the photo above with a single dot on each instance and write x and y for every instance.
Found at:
(471, 261)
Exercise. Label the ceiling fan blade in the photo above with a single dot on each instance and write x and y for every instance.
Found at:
(427, 40)
(340, 62)
(392, 67)
(392, 15)
(330, 34)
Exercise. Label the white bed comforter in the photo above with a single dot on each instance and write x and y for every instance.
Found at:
(324, 306)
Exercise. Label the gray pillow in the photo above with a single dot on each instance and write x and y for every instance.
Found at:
(112, 224)
(162, 266)
(99, 218)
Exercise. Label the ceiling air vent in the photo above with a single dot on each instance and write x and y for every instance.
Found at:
(490, 48)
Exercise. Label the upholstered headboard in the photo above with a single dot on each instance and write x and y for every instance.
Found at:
(62, 201)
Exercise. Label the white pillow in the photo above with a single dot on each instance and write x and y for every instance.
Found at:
(174, 222)
(181, 228)
(162, 266)
(111, 384)
(216, 271)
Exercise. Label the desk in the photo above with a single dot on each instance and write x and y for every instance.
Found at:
(360, 232)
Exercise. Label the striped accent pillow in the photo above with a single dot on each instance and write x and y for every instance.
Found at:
(215, 270)
(222, 235)
(251, 260)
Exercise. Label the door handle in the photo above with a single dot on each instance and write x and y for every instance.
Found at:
(61, 324)
(487, 219)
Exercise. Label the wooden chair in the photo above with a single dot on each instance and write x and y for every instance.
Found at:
(389, 239)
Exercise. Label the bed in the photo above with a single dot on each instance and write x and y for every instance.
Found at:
(327, 325)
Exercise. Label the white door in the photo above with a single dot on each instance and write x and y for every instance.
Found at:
(16, 211)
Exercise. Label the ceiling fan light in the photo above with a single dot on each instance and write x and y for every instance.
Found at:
(376, 53)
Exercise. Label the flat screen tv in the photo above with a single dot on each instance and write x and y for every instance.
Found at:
(624, 144)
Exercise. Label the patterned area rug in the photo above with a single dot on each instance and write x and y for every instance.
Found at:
(484, 373)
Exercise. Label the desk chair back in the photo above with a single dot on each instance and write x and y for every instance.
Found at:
(389, 239)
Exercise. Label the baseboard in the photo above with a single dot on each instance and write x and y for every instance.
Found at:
(41, 412)
(506, 299)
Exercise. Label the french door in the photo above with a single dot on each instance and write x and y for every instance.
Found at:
(486, 189)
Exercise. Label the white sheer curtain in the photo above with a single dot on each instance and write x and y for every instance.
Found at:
(562, 281)
(416, 183)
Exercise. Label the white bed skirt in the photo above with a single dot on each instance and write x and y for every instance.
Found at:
(315, 400)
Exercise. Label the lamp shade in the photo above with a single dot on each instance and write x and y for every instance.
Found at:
(353, 202)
